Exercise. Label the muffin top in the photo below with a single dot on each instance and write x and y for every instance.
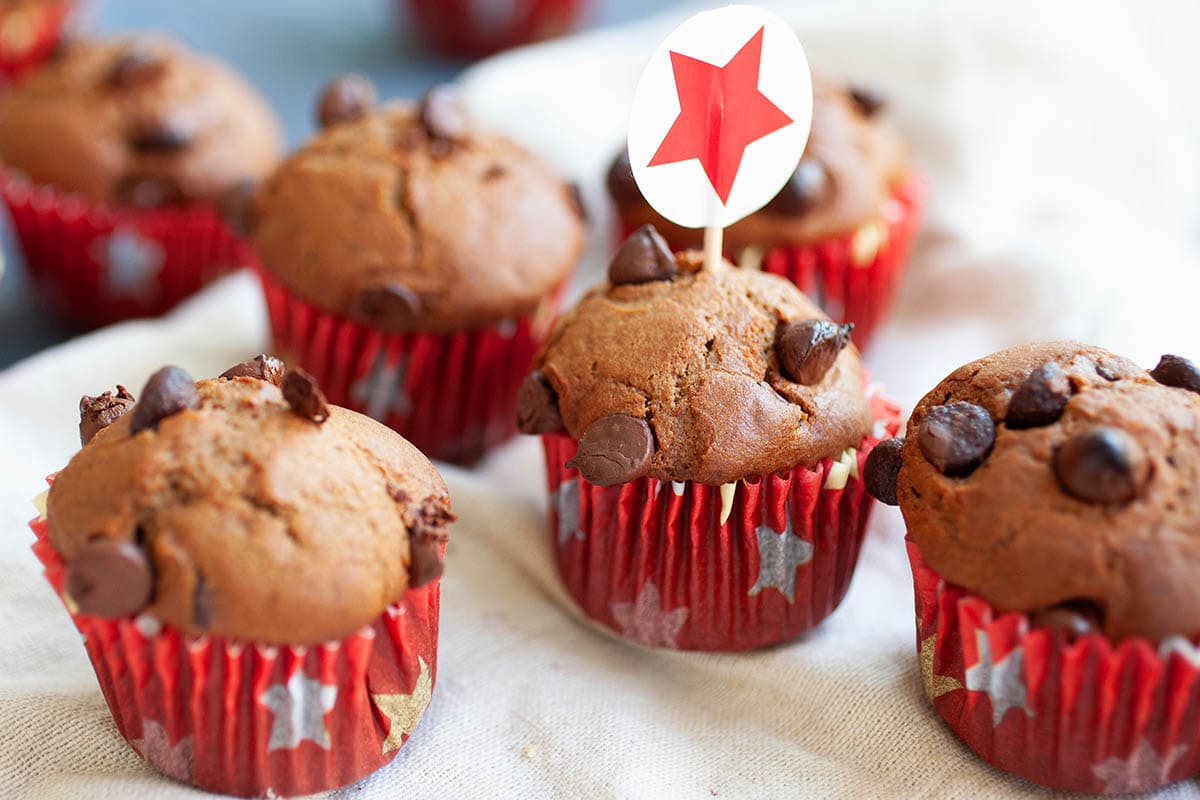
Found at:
(139, 122)
(1060, 479)
(406, 217)
(851, 165)
(241, 508)
(679, 372)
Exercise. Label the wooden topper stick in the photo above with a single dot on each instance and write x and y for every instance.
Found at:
(713, 238)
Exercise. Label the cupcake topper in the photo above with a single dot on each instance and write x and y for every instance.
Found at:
(720, 119)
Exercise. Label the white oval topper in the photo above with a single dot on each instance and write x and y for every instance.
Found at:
(720, 117)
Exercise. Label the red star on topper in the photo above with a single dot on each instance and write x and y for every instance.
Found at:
(721, 111)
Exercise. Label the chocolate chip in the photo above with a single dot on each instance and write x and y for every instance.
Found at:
(135, 67)
(111, 579)
(537, 406)
(956, 437)
(808, 188)
(615, 449)
(147, 191)
(622, 186)
(882, 470)
(301, 392)
(1040, 399)
(1073, 619)
(426, 562)
(1178, 372)
(869, 101)
(161, 136)
(345, 99)
(575, 197)
(1102, 465)
(390, 305)
(644, 257)
(169, 391)
(808, 348)
(97, 413)
(264, 367)
(442, 115)
(236, 207)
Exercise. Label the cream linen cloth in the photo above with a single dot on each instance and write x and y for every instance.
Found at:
(1062, 143)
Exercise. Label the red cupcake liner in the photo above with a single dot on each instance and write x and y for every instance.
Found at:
(258, 720)
(453, 395)
(94, 264)
(1085, 716)
(471, 29)
(854, 276)
(654, 562)
(28, 35)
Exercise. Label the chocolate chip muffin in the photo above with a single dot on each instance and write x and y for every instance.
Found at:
(407, 217)
(736, 391)
(840, 229)
(1060, 480)
(244, 507)
(137, 122)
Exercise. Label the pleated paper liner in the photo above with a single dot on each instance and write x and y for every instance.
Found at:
(94, 265)
(1088, 715)
(453, 395)
(471, 29)
(29, 34)
(852, 277)
(720, 568)
(258, 720)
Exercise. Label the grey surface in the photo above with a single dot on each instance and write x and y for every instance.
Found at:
(288, 48)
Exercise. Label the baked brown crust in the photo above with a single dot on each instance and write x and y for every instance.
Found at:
(380, 220)
(259, 524)
(696, 358)
(861, 162)
(67, 124)
(1013, 532)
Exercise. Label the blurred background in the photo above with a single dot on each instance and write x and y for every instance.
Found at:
(288, 49)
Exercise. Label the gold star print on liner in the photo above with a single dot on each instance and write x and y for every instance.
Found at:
(935, 685)
(404, 711)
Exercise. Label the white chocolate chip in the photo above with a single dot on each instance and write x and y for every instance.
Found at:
(727, 492)
(866, 243)
(839, 473)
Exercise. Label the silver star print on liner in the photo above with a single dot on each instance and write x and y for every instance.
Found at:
(131, 263)
(645, 621)
(566, 503)
(779, 555)
(1144, 770)
(299, 707)
(1003, 681)
(382, 391)
(174, 761)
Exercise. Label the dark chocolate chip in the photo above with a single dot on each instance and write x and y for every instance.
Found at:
(391, 305)
(882, 470)
(957, 437)
(301, 392)
(147, 191)
(808, 348)
(869, 101)
(264, 367)
(575, 197)
(202, 603)
(1178, 372)
(615, 449)
(495, 172)
(97, 413)
(442, 115)
(112, 579)
(1102, 465)
(345, 99)
(1040, 399)
(808, 188)
(161, 136)
(169, 391)
(1072, 619)
(135, 67)
(236, 207)
(622, 186)
(537, 406)
(644, 257)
